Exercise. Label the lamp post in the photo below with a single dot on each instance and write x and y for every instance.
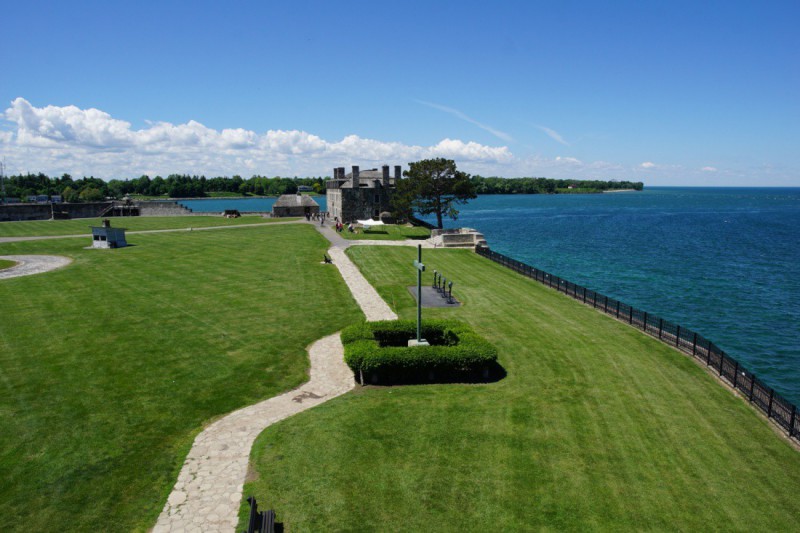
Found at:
(420, 269)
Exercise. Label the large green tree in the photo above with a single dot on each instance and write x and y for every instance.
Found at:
(433, 186)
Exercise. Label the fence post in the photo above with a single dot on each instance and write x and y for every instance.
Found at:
(617, 308)
(735, 374)
(584, 295)
(594, 299)
(660, 327)
(694, 344)
(644, 322)
(752, 386)
(791, 423)
(708, 354)
(771, 396)
(630, 314)
(678, 337)
(721, 362)
(605, 304)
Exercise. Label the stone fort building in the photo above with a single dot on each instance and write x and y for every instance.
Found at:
(361, 194)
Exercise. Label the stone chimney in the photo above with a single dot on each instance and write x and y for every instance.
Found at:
(385, 169)
(398, 173)
(356, 183)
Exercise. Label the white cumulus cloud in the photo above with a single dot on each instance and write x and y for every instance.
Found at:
(648, 164)
(709, 169)
(57, 139)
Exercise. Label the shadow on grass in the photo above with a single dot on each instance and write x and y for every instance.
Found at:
(493, 373)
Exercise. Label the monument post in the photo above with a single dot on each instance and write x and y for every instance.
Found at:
(420, 269)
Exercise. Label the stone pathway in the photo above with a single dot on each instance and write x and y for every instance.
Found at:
(32, 264)
(365, 294)
(208, 492)
(209, 488)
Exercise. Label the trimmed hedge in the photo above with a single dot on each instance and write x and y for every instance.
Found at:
(378, 352)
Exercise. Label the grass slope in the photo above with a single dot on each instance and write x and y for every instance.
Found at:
(5, 263)
(32, 228)
(109, 367)
(388, 232)
(596, 426)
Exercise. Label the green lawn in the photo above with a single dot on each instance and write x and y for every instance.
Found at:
(5, 263)
(388, 232)
(30, 228)
(110, 367)
(596, 426)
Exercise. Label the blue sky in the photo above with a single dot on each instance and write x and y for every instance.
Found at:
(670, 93)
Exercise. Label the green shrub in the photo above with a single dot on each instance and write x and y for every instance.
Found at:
(378, 352)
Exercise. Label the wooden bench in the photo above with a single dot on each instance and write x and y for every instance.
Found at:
(259, 522)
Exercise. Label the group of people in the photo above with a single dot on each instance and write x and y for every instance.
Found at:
(317, 216)
(339, 226)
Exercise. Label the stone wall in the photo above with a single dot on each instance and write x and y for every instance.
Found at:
(24, 212)
(457, 238)
(162, 209)
(46, 211)
(363, 203)
(334, 201)
(87, 210)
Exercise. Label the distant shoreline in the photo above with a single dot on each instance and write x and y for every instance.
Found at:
(620, 190)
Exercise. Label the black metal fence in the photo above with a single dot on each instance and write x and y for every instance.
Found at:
(772, 404)
(419, 222)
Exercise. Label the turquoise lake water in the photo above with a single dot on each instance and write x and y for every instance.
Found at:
(217, 205)
(724, 262)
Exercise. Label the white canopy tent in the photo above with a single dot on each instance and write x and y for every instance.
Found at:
(369, 223)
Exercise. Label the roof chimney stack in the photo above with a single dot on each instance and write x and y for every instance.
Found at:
(385, 169)
(398, 173)
(356, 183)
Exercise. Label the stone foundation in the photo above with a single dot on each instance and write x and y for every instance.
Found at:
(457, 238)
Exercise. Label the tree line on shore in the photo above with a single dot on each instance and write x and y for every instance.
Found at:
(174, 186)
(495, 185)
(88, 189)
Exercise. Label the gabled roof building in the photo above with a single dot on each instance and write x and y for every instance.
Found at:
(360, 195)
(294, 205)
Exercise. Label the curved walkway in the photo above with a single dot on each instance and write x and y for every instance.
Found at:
(32, 264)
(209, 488)
(208, 492)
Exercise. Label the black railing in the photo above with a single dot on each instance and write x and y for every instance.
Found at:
(772, 404)
(419, 222)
